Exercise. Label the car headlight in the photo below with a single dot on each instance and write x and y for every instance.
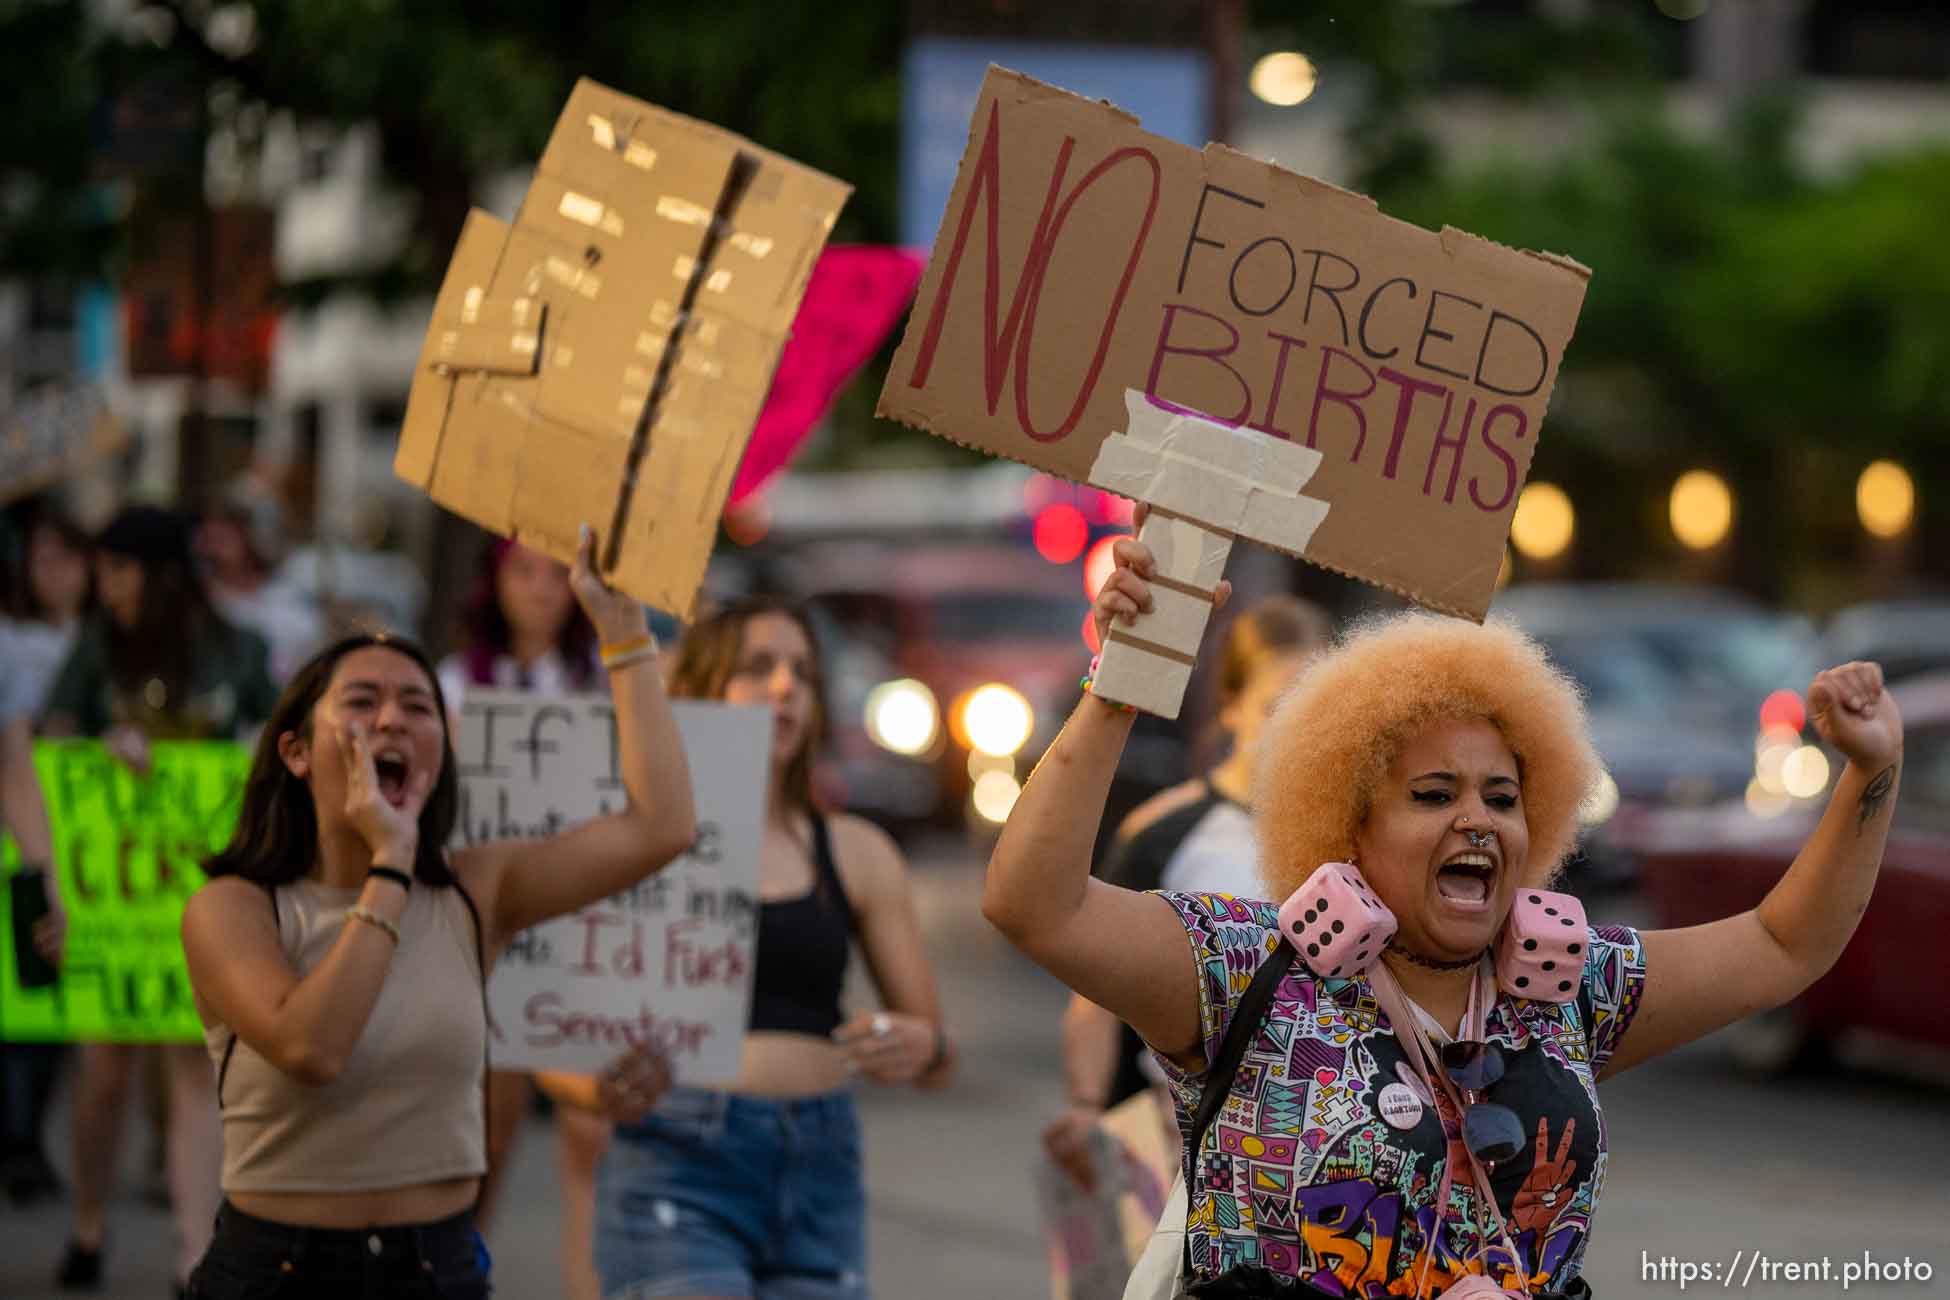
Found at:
(1804, 773)
(902, 716)
(994, 719)
(994, 795)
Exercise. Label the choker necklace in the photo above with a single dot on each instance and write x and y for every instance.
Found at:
(1433, 964)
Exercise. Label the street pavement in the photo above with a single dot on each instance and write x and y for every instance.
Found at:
(1708, 1167)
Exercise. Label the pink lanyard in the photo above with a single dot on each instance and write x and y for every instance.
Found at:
(1424, 1060)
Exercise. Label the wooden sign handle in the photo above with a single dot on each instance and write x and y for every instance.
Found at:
(1147, 664)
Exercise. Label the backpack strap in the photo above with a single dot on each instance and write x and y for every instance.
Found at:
(1239, 1035)
(1218, 1081)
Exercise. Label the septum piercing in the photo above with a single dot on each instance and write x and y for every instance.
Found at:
(1478, 839)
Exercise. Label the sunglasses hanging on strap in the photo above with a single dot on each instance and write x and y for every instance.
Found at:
(1490, 1132)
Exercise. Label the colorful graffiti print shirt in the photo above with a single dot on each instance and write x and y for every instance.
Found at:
(1301, 1178)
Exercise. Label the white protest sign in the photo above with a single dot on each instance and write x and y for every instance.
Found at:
(669, 960)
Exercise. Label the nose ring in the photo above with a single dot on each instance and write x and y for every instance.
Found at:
(1477, 839)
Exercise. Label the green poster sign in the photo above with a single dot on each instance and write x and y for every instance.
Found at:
(127, 849)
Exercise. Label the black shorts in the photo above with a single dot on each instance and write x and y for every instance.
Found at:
(255, 1259)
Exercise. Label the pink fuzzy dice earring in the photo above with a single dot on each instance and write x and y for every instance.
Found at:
(1541, 952)
(1336, 922)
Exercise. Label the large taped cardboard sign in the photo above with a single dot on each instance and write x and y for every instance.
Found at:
(1090, 278)
(605, 358)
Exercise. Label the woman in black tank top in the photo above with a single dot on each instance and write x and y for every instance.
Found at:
(757, 1186)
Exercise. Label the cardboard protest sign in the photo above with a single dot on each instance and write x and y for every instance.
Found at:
(1087, 270)
(605, 357)
(128, 852)
(857, 293)
(55, 431)
(1095, 1234)
(669, 960)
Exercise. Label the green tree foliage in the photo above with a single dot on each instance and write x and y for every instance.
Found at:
(49, 220)
(464, 88)
(1743, 315)
(459, 89)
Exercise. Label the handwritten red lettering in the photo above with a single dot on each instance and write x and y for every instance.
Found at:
(1014, 332)
(1411, 388)
(1216, 355)
(688, 964)
(1345, 396)
(549, 1024)
(592, 924)
(1509, 464)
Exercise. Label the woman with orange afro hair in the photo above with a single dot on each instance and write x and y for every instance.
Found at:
(1415, 1110)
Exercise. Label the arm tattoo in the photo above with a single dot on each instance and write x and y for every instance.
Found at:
(1873, 798)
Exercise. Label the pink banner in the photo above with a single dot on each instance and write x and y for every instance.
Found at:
(857, 293)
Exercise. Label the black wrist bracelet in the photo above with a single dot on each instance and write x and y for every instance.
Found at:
(393, 874)
(940, 1056)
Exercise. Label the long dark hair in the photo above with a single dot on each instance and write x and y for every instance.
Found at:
(72, 536)
(708, 656)
(18, 599)
(277, 831)
(487, 633)
(176, 612)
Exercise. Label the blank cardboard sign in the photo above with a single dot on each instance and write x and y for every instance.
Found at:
(605, 358)
(1084, 263)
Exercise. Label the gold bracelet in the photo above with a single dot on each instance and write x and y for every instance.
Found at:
(372, 918)
(611, 651)
(628, 657)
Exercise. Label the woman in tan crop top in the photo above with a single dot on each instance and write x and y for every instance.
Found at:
(338, 953)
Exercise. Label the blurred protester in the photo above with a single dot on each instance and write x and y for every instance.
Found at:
(340, 954)
(45, 591)
(52, 592)
(242, 546)
(28, 1070)
(757, 1189)
(154, 662)
(523, 631)
(1196, 837)
(1449, 1033)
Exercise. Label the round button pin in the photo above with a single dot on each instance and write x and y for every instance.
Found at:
(1400, 1106)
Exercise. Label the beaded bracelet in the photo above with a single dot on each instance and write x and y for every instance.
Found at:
(372, 918)
(1091, 676)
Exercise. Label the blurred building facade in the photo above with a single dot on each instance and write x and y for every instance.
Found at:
(1870, 76)
(316, 395)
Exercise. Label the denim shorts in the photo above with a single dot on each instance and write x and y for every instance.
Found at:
(255, 1259)
(725, 1195)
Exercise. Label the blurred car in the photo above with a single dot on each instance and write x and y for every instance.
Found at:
(1907, 637)
(952, 666)
(1676, 680)
(1703, 864)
